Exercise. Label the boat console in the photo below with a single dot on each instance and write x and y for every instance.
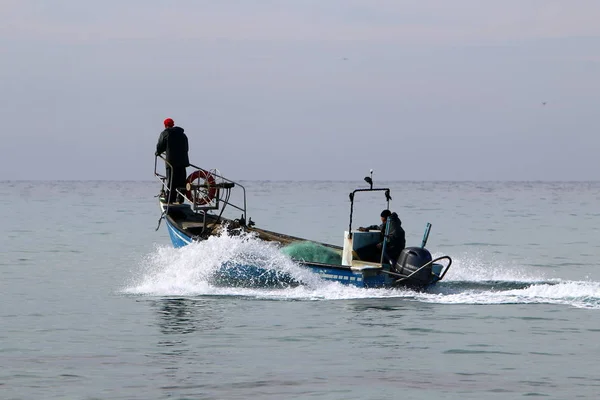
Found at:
(356, 241)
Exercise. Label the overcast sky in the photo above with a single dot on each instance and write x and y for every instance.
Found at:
(303, 89)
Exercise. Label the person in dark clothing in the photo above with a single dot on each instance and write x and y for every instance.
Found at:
(396, 240)
(174, 143)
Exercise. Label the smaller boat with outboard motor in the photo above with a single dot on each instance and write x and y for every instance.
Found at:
(208, 195)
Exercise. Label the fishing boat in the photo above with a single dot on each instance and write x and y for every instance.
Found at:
(208, 195)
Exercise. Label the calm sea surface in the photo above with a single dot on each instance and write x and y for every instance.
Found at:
(96, 304)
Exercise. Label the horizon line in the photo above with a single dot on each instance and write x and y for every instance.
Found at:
(328, 180)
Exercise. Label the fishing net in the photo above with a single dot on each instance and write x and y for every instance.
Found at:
(312, 252)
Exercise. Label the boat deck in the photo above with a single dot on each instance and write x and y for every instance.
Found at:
(358, 265)
(192, 223)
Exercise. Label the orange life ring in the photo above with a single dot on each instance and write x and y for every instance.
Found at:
(210, 182)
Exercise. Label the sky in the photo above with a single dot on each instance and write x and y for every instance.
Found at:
(302, 89)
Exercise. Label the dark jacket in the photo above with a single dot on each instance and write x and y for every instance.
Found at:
(396, 236)
(174, 143)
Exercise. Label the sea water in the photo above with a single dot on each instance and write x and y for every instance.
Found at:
(96, 304)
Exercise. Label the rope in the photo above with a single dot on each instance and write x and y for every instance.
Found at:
(160, 220)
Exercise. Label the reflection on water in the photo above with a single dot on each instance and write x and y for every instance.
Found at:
(183, 322)
(176, 316)
(187, 315)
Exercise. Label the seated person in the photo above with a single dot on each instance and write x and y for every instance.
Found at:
(396, 240)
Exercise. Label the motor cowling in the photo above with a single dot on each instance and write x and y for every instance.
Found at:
(412, 259)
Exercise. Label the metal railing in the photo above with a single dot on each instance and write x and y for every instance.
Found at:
(220, 186)
(402, 277)
(387, 197)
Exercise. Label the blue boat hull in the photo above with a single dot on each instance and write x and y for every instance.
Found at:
(373, 277)
(251, 276)
(178, 238)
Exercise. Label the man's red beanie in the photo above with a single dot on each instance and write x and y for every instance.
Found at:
(169, 123)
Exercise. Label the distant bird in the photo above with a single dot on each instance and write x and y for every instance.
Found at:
(345, 59)
(543, 103)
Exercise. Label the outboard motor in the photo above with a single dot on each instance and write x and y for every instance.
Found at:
(410, 260)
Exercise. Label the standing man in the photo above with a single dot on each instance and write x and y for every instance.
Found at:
(174, 143)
